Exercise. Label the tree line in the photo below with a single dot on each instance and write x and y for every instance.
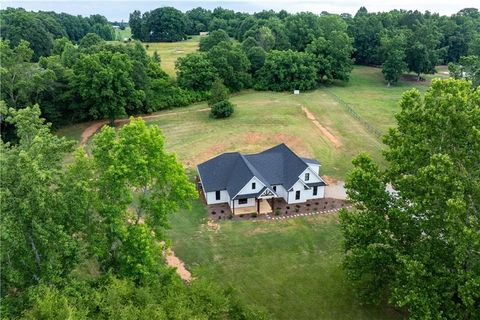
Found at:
(398, 40)
(83, 239)
(92, 80)
(41, 28)
(265, 51)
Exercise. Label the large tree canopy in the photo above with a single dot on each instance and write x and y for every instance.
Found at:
(333, 55)
(104, 84)
(288, 70)
(419, 246)
(195, 71)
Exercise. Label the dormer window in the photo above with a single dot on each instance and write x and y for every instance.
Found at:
(307, 176)
(254, 185)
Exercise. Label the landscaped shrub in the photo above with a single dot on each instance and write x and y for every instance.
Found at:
(277, 212)
(253, 214)
(222, 109)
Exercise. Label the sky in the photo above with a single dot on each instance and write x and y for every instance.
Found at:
(117, 10)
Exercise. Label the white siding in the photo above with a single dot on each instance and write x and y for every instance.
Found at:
(298, 186)
(247, 189)
(210, 196)
(313, 176)
(281, 192)
(304, 194)
(250, 203)
(315, 168)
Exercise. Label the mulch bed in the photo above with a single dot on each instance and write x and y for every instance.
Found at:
(281, 210)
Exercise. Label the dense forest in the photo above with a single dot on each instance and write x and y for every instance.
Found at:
(267, 51)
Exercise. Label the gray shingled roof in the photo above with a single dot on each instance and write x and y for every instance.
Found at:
(231, 171)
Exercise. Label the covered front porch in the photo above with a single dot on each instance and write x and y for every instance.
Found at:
(262, 206)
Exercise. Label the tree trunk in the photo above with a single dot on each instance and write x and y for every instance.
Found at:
(418, 77)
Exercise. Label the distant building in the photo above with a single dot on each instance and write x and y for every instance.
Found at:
(204, 33)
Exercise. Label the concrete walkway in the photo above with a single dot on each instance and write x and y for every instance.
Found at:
(336, 191)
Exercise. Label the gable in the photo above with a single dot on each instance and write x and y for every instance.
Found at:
(275, 166)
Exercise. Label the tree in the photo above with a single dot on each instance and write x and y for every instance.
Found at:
(136, 25)
(256, 56)
(231, 64)
(222, 109)
(198, 19)
(419, 245)
(263, 37)
(302, 28)
(134, 159)
(195, 71)
(22, 81)
(103, 82)
(218, 92)
(392, 51)
(36, 216)
(333, 56)
(18, 25)
(90, 40)
(422, 54)
(467, 68)
(288, 70)
(366, 31)
(104, 31)
(249, 43)
(214, 38)
(166, 24)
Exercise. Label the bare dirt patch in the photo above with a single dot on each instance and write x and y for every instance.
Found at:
(330, 180)
(333, 139)
(90, 130)
(175, 262)
(212, 225)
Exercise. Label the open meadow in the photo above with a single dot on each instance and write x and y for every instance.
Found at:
(293, 267)
(170, 51)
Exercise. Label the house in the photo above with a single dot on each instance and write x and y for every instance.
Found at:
(253, 182)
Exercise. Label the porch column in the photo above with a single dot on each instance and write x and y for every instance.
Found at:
(258, 206)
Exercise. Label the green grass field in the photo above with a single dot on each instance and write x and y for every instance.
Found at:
(263, 119)
(292, 267)
(120, 35)
(368, 95)
(170, 51)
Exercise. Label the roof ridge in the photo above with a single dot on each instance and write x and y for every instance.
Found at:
(255, 172)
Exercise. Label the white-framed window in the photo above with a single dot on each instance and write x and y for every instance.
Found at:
(315, 190)
(297, 195)
(275, 188)
(217, 195)
(307, 176)
(242, 201)
(254, 185)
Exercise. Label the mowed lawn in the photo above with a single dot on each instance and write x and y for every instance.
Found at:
(170, 51)
(292, 268)
(264, 119)
(368, 94)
